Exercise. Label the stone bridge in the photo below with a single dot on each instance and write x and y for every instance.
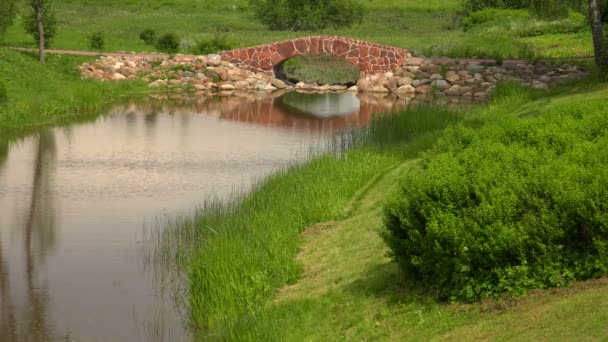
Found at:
(371, 58)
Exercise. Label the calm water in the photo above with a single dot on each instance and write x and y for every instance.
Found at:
(75, 203)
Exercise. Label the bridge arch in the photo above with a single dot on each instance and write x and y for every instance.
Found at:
(369, 57)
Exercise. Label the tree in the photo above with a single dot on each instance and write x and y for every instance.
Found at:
(41, 24)
(599, 44)
(8, 9)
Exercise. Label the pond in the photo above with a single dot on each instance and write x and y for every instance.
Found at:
(77, 202)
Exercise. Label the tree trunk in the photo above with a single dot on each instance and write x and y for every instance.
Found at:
(601, 59)
(41, 43)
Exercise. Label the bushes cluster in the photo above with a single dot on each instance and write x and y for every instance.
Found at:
(148, 36)
(168, 43)
(521, 23)
(542, 8)
(491, 15)
(307, 15)
(219, 42)
(96, 41)
(519, 204)
(8, 10)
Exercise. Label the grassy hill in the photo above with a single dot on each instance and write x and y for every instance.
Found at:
(245, 284)
(432, 27)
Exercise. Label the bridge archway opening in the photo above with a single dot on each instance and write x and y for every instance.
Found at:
(317, 68)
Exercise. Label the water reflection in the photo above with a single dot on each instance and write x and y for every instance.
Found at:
(326, 105)
(38, 239)
(73, 202)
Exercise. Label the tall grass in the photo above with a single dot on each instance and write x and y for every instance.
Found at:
(245, 249)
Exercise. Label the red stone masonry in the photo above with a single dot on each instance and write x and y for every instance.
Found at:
(370, 57)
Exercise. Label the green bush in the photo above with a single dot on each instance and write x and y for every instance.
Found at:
(8, 9)
(96, 41)
(518, 204)
(3, 94)
(148, 36)
(168, 43)
(492, 14)
(219, 42)
(49, 20)
(307, 15)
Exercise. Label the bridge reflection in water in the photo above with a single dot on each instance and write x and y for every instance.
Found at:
(315, 113)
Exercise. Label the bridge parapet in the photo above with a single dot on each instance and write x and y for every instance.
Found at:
(369, 57)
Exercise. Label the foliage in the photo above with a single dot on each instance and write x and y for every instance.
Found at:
(97, 41)
(219, 42)
(148, 36)
(521, 23)
(307, 15)
(3, 94)
(492, 14)
(8, 9)
(168, 43)
(519, 204)
(49, 20)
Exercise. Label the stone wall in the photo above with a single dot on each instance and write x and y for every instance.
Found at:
(473, 79)
(369, 57)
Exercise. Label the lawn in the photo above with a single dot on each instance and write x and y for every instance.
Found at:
(431, 27)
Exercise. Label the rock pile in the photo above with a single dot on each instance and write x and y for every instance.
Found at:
(471, 78)
(416, 77)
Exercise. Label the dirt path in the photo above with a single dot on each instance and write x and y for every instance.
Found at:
(97, 53)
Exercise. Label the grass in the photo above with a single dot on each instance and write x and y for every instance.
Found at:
(351, 291)
(300, 258)
(245, 249)
(428, 26)
(53, 93)
(321, 70)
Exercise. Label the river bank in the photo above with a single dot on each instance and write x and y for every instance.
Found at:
(280, 284)
(53, 93)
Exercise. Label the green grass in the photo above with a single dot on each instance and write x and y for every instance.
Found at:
(246, 282)
(433, 27)
(351, 291)
(321, 70)
(52, 93)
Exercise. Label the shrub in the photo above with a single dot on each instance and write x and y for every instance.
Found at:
(307, 15)
(96, 41)
(8, 9)
(3, 94)
(50, 25)
(168, 43)
(219, 42)
(492, 14)
(516, 205)
(148, 36)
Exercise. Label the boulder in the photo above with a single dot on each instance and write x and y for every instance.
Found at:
(452, 77)
(227, 86)
(380, 89)
(406, 89)
(424, 89)
(418, 83)
(414, 61)
(214, 60)
(278, 83)
(440, 84)
(454, 90)
(363, 85)
(404, 81)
